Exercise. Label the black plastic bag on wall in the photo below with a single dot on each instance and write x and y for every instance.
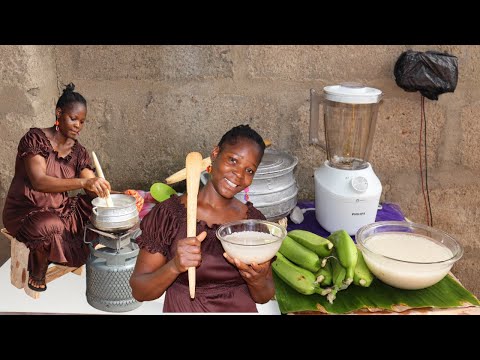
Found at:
(432, 73)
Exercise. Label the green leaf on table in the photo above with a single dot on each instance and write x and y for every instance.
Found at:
(447, 293)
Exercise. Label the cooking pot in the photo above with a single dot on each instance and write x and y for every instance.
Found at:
(122, 216)
(273, 190)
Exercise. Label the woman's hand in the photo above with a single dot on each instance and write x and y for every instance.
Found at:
(188, 252)
(98, 185)
(252, 274)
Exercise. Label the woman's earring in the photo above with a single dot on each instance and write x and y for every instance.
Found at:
(246, 197)
(209, 169)
(56, 125)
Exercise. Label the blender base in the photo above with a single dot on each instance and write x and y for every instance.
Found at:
(346, 199)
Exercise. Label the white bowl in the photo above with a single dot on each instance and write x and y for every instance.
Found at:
(251, 240)
(407, 255)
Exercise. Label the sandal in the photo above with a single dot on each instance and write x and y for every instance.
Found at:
(39, 282)
(37, 267)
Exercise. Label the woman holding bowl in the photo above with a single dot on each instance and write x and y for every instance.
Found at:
(223, 284)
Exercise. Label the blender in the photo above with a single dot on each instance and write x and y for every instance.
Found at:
(347, 191)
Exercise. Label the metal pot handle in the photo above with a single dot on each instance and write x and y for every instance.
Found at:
(85, 236)
(94, 210)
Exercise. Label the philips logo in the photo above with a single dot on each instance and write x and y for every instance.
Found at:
(358, 214)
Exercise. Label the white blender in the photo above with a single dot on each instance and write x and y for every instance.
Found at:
(347, 191)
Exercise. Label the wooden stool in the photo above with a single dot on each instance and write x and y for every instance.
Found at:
(19, 266)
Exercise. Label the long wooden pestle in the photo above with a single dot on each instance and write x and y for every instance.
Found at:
(193, 166)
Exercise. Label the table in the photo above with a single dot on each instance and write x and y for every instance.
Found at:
(387, 211)
(66, 295)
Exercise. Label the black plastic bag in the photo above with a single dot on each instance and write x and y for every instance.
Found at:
(432, 73)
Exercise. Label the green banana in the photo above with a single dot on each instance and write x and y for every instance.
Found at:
(338, 272)
(299, 254)
(338, 278)
(347, 252)
(362, 275)
(324, 275)
(296, 277)
(319, 245)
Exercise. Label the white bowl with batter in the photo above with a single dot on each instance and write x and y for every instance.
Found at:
(251, 240)
(407, 255)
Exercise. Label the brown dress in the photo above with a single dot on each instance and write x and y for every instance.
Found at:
(52, 222)
(219, 286)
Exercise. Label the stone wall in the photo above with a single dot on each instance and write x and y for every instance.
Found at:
(148, 106)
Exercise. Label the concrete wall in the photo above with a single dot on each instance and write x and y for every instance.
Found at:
(150, 105)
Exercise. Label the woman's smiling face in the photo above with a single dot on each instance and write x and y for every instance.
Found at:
(234, 166)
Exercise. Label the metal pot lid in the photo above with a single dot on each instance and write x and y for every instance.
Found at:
(275, 162)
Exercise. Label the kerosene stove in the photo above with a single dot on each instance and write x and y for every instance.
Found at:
(109, 267)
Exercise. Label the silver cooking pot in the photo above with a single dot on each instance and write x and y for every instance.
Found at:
(122, 216)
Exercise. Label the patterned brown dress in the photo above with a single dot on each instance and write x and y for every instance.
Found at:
(53, 222)
(219, 286)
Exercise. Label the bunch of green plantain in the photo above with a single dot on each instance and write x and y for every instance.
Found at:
(313, 264)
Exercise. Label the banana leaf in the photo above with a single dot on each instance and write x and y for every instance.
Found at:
(447, 293)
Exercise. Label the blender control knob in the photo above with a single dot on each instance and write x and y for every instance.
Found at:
(360, 184)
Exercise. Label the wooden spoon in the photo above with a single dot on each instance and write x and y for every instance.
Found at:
(99, 170)
(193, 166)
(181, 174)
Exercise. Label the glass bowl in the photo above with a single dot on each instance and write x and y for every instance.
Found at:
(251, 240)
(407, 255)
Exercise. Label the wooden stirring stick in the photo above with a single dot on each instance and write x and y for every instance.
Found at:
(181, 174)
(193, 166)
(99, 170)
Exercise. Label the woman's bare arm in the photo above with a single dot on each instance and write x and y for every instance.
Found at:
(152, 276)
(36, 168)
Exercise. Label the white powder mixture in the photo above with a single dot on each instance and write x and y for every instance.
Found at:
(263, 246)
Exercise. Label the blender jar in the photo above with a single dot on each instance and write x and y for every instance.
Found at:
(350, 113)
